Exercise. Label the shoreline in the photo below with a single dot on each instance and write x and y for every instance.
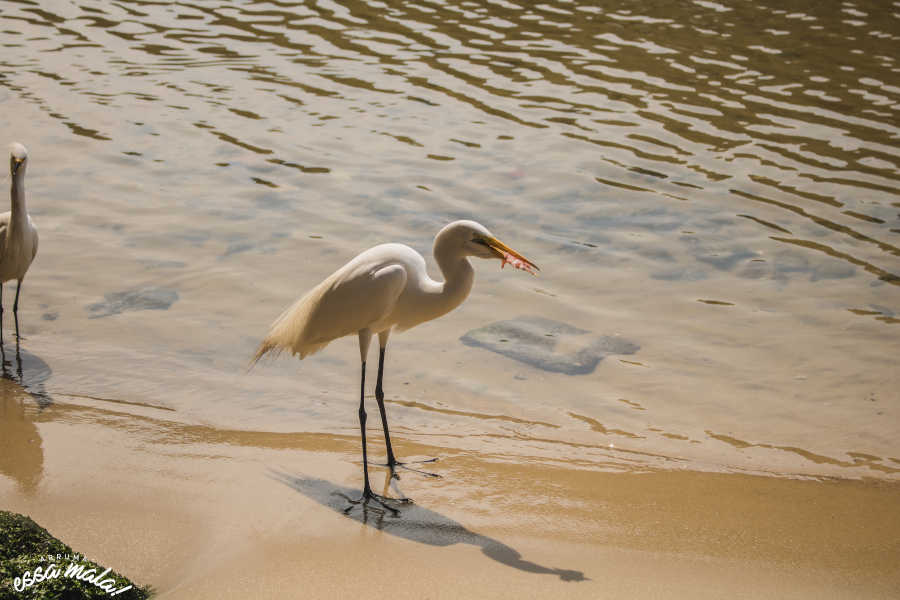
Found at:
(198, 512)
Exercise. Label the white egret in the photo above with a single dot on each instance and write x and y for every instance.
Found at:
(383, 289)
(18, 235)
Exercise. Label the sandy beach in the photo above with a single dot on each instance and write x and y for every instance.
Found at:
(201, 512)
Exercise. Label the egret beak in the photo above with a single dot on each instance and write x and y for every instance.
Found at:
(17, 162)
(508, 255)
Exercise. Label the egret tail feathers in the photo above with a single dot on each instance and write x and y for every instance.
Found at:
(276, 348)
(264, 348)
(290, 331)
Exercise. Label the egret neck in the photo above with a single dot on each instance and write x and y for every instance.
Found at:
(442, 297)
(18, 214)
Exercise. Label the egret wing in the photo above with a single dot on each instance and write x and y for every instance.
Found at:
(4, 224)
(356, 297)
(355, 300)
(34, 230)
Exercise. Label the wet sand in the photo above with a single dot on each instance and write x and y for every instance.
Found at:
(201, 512)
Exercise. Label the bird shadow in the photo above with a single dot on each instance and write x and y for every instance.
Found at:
(415, 523)
(28, 371)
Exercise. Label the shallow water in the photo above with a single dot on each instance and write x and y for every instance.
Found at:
(714, 183)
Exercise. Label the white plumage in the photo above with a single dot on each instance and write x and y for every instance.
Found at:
(18, 235)
(360, 295)
(383, 289)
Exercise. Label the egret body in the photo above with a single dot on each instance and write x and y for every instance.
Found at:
(18, 235)
(385, 289)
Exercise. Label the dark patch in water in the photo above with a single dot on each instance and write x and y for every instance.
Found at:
(832, 270)
(536, 341)
(271, 201)
(163, 264)
(149, 298)
(727, 259)
(237, 248)
(686, 274)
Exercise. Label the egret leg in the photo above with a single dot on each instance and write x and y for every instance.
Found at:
(367, 494)
(392, 461)
(367, 490)
(16, 309)
(379, 396)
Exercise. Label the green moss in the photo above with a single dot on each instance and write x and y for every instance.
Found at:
(23, 545)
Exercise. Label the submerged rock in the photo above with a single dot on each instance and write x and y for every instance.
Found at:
(548, 344)
(150, 298)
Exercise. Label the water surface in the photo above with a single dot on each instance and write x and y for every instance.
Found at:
(714, 182)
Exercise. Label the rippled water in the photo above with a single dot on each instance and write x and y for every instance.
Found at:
(717, 183)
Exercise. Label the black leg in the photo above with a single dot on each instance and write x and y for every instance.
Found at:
(16, 309)
(379, 396)
(368, 494)
(1, 314)
(392, 461)
(367, 490)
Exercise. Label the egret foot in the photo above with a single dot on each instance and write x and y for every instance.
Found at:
(405, 465)
(370, 496)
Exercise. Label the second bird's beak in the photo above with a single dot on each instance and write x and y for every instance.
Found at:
(17, 162)
(503, 251)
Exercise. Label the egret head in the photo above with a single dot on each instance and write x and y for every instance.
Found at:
(18, 157)
(474, 239)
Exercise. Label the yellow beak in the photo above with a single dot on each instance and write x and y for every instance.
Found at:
(503, 251)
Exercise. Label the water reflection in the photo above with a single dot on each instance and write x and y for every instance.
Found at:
(21, 388)
(27, 372)
(21, 447)
(416, 523)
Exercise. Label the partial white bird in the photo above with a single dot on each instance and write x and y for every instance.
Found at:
(383, 289)
(18, 235)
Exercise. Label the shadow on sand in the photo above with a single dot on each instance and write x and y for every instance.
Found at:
(414, 522)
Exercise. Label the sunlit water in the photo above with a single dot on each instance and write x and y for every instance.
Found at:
(716, 183)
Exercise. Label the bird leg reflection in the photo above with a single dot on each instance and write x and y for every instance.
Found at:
(8, 363)
(392, 461)
(18, 362)
(390, 482)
